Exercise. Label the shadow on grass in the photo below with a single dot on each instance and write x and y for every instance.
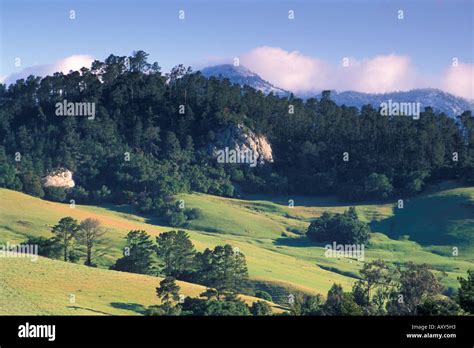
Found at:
(89, 309)
(161, 222)
(431, 220)
(299, 201)
(130, 210)
(135, 307)
(341, 272)
(321, 201)
(294, 242)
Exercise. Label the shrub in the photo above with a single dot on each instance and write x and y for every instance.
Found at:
(261, 308)
(46, 247)
(263, 295)
(193, 214)
(176, 218)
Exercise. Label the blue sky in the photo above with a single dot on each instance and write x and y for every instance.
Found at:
(430, 35)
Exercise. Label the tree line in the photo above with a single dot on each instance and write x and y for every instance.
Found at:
(381, 290)
(411, 289)
(150, 135)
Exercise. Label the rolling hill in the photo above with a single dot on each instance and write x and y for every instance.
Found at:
(267, 231)
(50, 287)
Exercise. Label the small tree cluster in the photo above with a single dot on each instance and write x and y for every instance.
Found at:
(174, 255)
(72, 239)
(343, 228)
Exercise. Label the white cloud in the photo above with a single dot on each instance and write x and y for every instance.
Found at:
(74, 62)
(383, 73)
(377, 75)
(299, 73)
(459, 80)
(289, 70)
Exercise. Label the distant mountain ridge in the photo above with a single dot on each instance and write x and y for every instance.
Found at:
(439, 100)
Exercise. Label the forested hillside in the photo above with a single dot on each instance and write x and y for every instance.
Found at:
(149, 136)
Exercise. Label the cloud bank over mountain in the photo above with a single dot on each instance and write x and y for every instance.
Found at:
(299, 73)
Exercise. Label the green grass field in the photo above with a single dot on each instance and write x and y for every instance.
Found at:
(266, 230)
(50, 287)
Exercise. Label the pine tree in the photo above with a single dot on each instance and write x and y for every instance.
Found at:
(65, 232)
(138, 254)
(176, 251)
(90, 235)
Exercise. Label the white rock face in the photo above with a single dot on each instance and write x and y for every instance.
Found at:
(242, 139)
(59, 178)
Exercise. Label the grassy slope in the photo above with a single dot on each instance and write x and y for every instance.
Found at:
(256, 224)
(22, 215)
(425, 231)
(96, 291)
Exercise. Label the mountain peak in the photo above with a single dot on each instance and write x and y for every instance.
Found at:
(242, 76)
(228, 69)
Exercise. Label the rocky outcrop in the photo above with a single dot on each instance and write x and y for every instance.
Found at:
(242, 140)
(59, 178)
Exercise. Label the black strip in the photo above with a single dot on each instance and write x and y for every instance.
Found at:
(218, 331)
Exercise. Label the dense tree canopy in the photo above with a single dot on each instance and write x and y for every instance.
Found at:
(148, 137)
